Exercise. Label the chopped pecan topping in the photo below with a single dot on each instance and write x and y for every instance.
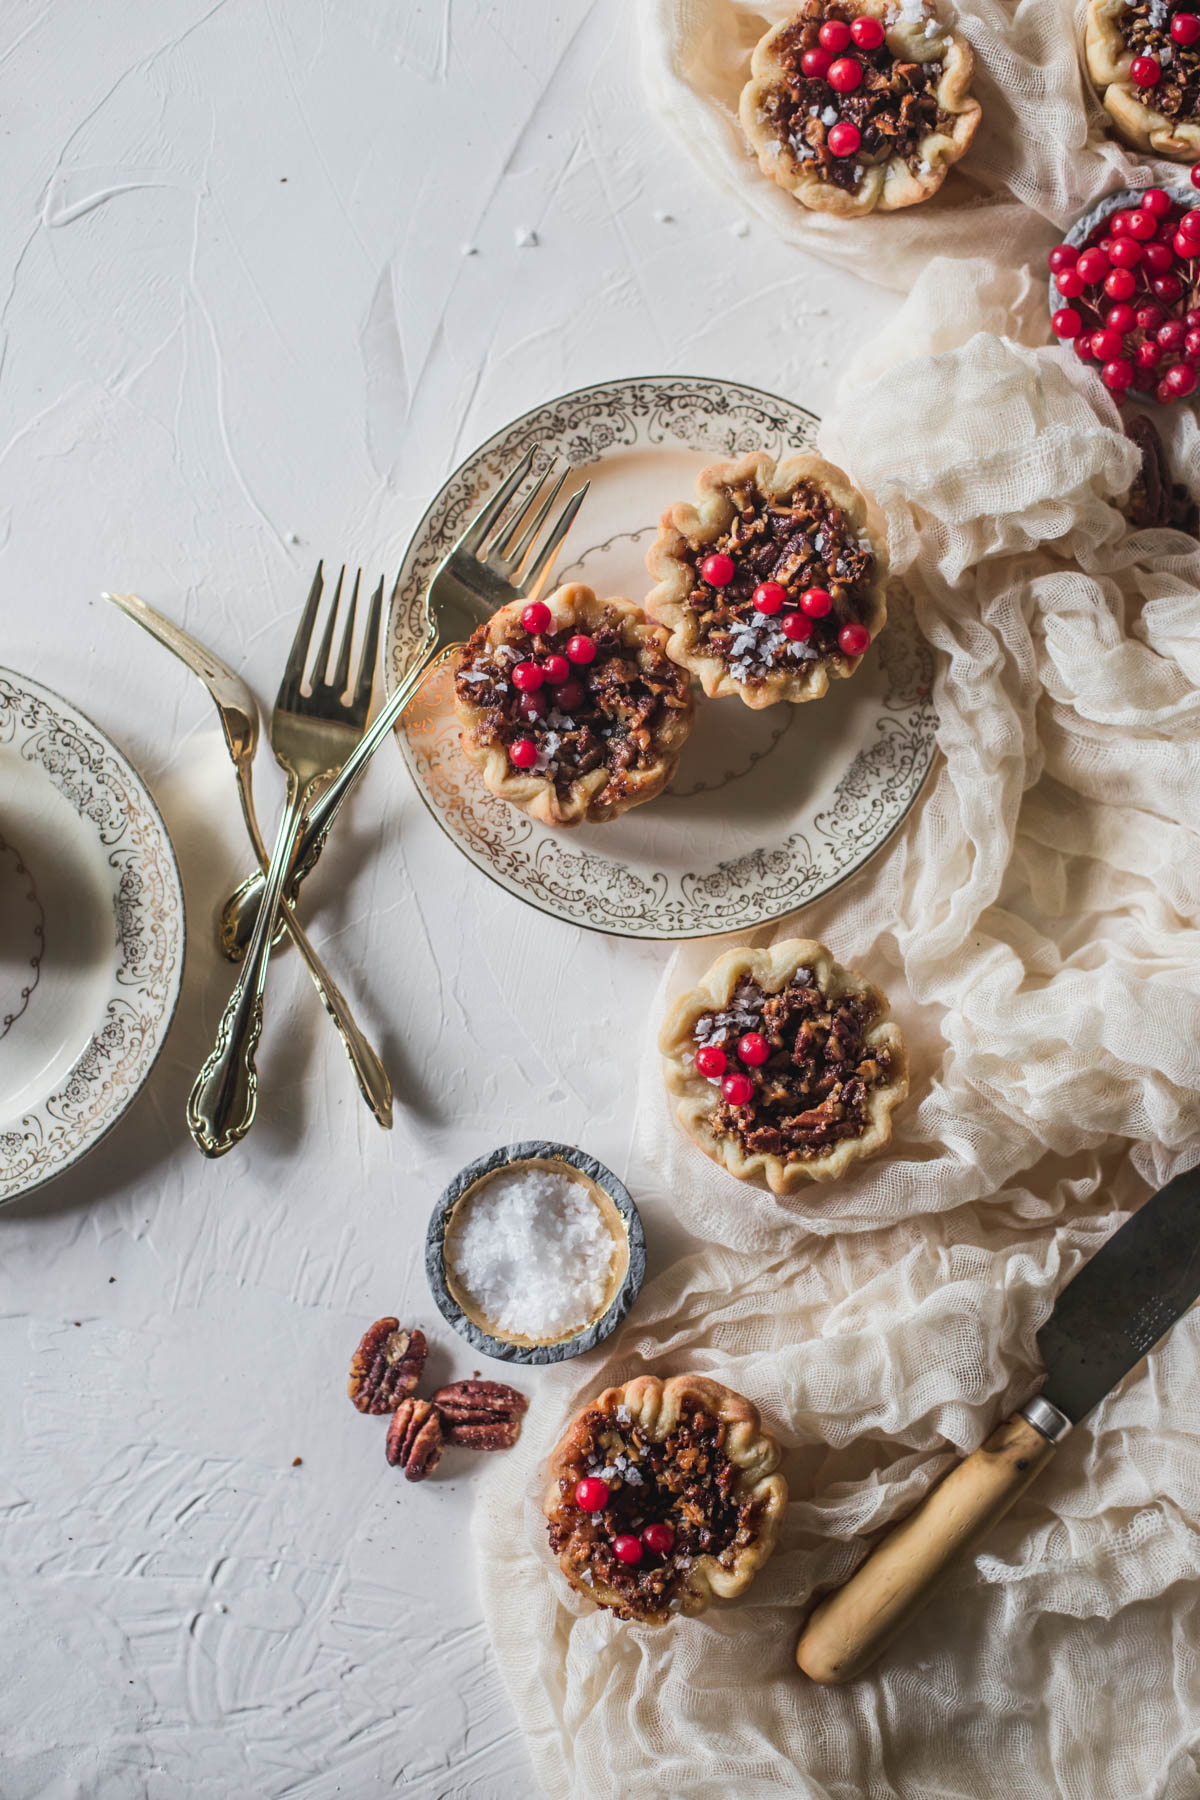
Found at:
(614, 704)
(1145, 26)
(480, 1415)
(687, 1482)
(414, 1439)
(815, 1086)
(386, 1366)
(802, 542)
(895, 108)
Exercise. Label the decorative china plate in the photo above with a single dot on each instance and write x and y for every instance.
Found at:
(91, 934)
(768, 810)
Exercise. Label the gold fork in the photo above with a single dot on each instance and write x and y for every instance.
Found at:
(312, 735)
(496, 560)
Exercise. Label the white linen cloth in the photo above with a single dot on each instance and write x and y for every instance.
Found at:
(1037, 928)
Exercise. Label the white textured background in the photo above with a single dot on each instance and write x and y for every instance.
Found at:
(238, 330)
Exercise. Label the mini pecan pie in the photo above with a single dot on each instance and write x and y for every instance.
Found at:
(772, 582)
(786, 1066)
(1144, 57)
(571, 707)
(664, 1494)
(858, 106)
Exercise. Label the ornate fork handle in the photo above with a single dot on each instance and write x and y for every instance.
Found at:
(223, 1099)
(241, 911)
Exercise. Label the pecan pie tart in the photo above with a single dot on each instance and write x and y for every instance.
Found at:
(571, 707)
(664, 1495)
(858, 106)
(772, 582)
(785, 1065)
(1144, 58)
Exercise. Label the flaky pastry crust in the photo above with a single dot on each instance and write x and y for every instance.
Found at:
(884, 186)
(658, 1406)
(599, 795)
(686, 526)
(1137, 122)
(772, 969)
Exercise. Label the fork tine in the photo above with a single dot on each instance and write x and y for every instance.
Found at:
(517, 556)
(530, 585)
(293, 674)
(341, 675)
(361, 700)
(320, 668)
(475, 533)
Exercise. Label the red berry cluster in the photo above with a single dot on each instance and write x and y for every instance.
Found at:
(1131, 290)
(827, 62)
(554, 671)
(771, 597)
(591, 1495)
(711, 1062)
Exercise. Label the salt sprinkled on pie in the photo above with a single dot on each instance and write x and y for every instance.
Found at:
(532, 1252)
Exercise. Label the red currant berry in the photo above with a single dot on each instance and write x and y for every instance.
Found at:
(815, 63)
(1145, 71)
(570, 696)
(1168, 286)
(1083, 346)
(1190, 223)
(522, 753)
(1144, 380)
(1185, 28)
(1106, 345)
(737, 1089)
(1191, 318)
(536, 617)
(528, 677)
(1093, 266)
(1106, 244)
(1185, 247)
(769, 597)
(1191, 346)
(1142, 224)
(555, 668)
(1148, 355)
(834, 35)
(1126, 253)
(1120, 284)
(1180, 380)
(1118, 225)
(854, 639)
(1172, 334)
(1063, 256)
(1066, 322)
(660, 1538)
(627, 1549)
(581, 649)
(1150, 315)
(844, 138)
(717, 569)
(796, 627)
(591, 1494)
(1156, 201)
(710, 1061)
(1070, 283)
(1158, 258)
(866, 32)
(1117, 375)
(816, 602)
(845, 74)
(533, 707)
(1121, 317)
(1195, 175)
(753, 1049)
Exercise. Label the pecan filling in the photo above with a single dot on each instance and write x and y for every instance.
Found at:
(687, 1482)
(814, 1087)
(1146, 28)
(606, 713)
(894, 108)
(802, 542)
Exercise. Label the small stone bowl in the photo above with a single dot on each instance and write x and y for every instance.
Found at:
(616, 1209)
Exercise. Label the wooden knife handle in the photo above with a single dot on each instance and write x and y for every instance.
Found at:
(849, 1628)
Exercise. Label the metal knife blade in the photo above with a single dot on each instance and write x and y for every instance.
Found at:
(1124, 1299)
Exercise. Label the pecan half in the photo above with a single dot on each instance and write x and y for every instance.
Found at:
(386, 1366)
(414, 1439)
(481, 1415)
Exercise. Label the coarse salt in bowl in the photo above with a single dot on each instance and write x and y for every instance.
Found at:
(535, 1253)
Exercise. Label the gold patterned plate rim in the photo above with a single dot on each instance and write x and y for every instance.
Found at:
(128, 851)
(589, 877)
